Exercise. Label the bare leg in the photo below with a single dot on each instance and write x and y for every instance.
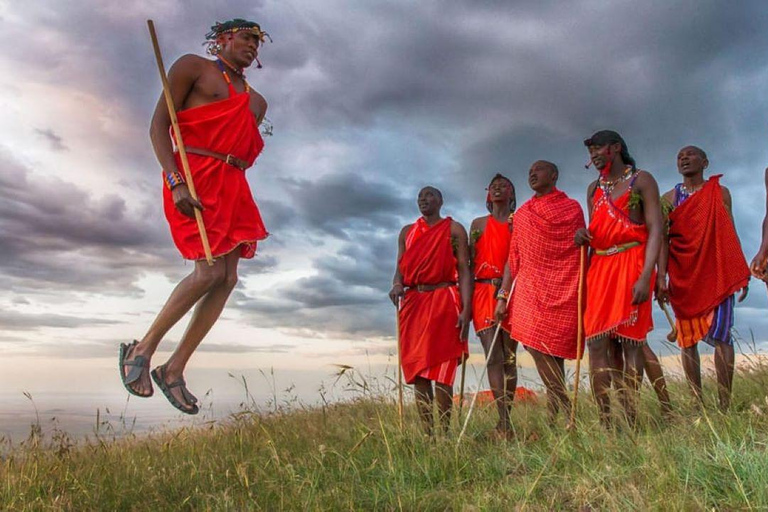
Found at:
(510, 367)
(724, 369)
(444, 399)
(498, 378)
(600, 377)
(656, 376)
(692, 368)
(206, 313)
(202, 280)
(633, 376)
(424, 399)
(616, 356)
(552, 372)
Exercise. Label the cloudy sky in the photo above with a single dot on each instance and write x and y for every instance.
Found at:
(370, 101)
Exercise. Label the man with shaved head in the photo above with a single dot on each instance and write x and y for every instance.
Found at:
(434, 314)
(544, 261)
(702, 254)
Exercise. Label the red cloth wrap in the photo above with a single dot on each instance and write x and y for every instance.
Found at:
(491, 251)
(611, 277)
(545, 261)
(230, 214)
(428, 332)
(706, 262)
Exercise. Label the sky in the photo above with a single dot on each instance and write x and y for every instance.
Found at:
(370, 101)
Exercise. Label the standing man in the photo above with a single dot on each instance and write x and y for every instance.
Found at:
(219, 116)
(489, 250)
(434, 315)
(702, 253)
(625, 235)
(544, 260)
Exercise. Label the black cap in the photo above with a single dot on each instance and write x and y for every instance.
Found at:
(605, 137)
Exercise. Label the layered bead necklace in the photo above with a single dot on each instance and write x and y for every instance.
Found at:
(608, 185)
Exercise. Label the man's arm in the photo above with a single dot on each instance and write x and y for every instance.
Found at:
(649, 192)
(397, 291)
(760, 261)
(728, 203)
(181, 79)
(583, 236)
(465, 277)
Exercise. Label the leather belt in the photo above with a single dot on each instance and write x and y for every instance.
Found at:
(228, 159)
(430, 287)
(496, 281)
(616, 249)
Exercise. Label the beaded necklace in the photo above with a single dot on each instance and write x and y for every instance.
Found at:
(608, 185)
(221, 62)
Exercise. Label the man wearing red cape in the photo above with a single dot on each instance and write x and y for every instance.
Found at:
(434, 315)
(706, 266)
(219, 116)
(489, 250)
(544, 261)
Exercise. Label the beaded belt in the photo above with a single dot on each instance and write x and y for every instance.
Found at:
(430, 287)
(496, 281)
(616, 249)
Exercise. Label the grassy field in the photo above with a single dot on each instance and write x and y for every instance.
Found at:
(354, 456)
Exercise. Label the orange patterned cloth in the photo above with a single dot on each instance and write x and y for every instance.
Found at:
(491, 252)
(611, 277)
(545, 261)
(429, 337)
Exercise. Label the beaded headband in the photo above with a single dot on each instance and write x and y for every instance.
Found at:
(231, 27)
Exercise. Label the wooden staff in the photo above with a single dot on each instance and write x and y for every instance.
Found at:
(461, 386)
(579, 335)
(399, 370)
(485, 368)
(179, 142)
(672, 336)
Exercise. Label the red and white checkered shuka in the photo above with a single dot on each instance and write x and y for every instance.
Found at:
(545, 260)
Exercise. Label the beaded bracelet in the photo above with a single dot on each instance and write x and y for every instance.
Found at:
(173, 179)
(502, 295)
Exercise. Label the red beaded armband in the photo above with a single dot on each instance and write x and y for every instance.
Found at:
(173, 179)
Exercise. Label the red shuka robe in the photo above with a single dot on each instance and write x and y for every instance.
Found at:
(611, 277)
(706, 262)
(230, 214)
(428, 333)
(545, 261)
(491, 251)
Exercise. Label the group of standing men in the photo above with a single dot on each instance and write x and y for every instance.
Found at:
(517, 276)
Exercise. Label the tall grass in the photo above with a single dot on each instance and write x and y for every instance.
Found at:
(354, 456)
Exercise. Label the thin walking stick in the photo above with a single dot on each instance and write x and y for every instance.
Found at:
(461, 386)
(672, 336)
(579, 335)
(399, 371)
(485, 368)
(179, 142)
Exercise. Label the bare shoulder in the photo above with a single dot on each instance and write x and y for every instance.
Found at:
(591, 189)
(405, 230)
(669, 196)
(457, 229)
(726, 195)
(258, 104)
(478, 224)
(189, 63)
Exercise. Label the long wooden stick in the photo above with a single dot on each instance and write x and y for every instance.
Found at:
(485, 368)
(579, 334)
(179, 142)
(672, 336)
(400, 411)
(461, 386)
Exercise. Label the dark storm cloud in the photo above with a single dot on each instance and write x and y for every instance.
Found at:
(55, 233)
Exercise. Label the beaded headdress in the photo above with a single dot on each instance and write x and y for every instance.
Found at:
(230, 27)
